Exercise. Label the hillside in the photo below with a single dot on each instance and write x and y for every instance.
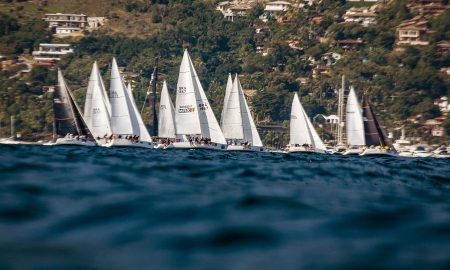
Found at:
(400, 83)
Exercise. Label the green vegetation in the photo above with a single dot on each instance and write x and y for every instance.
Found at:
(400, 83)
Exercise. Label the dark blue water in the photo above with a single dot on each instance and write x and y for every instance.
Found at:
(96, 208)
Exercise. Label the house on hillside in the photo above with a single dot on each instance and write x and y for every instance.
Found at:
(232, 9)
(443, 46)
(72, 24)
(427, 7)
(443, 105)
(362, 15)
(47, 54)
(413, 32)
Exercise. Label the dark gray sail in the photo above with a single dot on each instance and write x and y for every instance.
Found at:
(68, 119)
(374, 133)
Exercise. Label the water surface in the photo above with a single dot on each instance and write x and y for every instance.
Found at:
(97, 208)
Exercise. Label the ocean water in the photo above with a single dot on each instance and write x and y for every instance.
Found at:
(96, 208)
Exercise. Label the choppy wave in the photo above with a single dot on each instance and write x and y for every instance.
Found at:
(96, 208)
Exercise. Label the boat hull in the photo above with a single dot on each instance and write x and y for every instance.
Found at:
(128, 143)
(301, 149)
(73, 142)
(353, 152)
(250, 148)
(378, 152)
(189, 145)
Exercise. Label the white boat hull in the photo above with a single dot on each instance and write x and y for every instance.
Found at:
(250, 148)
(188, 145)
(74, 142)
(422, 154)
(378, 152)
(128, 143)
(352, 152)
(8, 141)
(302, 149)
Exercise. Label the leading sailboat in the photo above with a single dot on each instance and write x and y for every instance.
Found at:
(303, 136)
(237, 123)
(196, 125)
(70, 126)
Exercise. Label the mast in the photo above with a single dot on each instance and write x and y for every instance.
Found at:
(153, 82)
(340, 131)
(13, 127)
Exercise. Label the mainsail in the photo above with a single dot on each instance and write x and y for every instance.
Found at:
(143, 132)
(123, 118)
(227, 95)
(68, 118)
(96, 112)
(237, 119)
(166, 121)
(186, 113)
(374, 134)
(301, 129)
(354, 120)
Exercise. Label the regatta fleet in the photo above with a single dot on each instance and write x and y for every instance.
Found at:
(114, 120)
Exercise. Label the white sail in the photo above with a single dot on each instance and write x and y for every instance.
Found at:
(227, 94)
(232, 116)
(301, 129)
(354, 120)
(166, 121)
(209, 126)
(96, 112)
(143, 132)
(317, 141)
(186, 114)
(248, 125)
(123, 120)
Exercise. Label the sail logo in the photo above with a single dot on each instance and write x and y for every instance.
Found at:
(95, 110)
(186, 109)
(182, 90)
(293, 116)
(114, 94)
(203, 106)
(162, 107)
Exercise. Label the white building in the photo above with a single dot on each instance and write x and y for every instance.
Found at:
(277, 7)
(364, 16)
(72, 24)
(49, 53)
(231, 10)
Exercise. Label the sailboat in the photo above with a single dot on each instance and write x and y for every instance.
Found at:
(71, 128)
(237, 123)
(97, 108)
(12, 138)
(166, 121)
(374, 134)
(126, 122)
(354, 125)
(196, 125)
(303, 136)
